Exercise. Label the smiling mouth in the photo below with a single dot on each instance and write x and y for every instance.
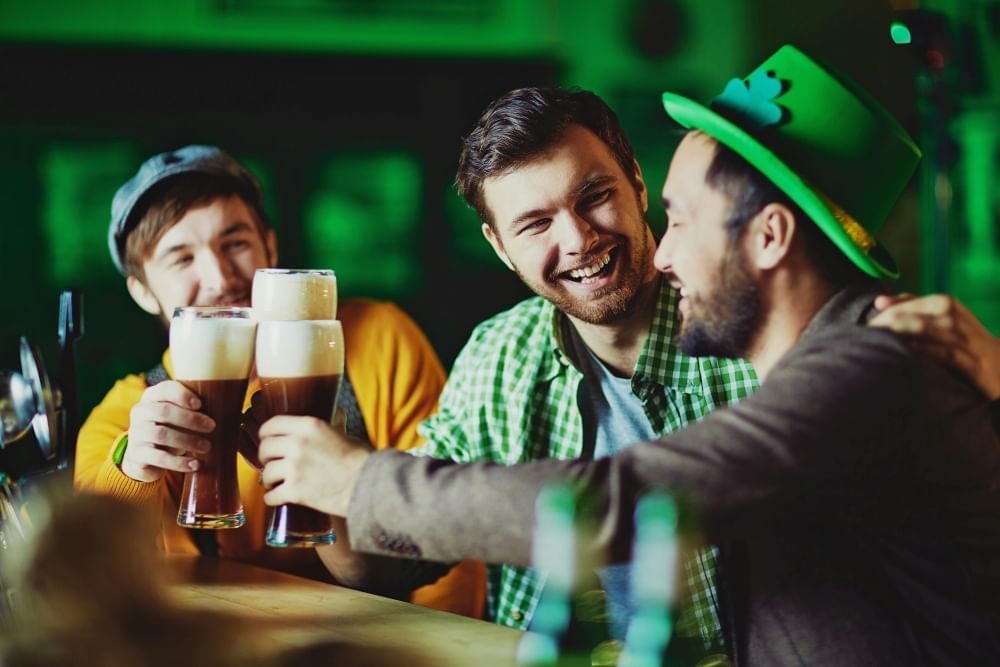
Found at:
(593, 271)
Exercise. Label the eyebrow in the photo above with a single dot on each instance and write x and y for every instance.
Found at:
(235, 228)
(588, 185)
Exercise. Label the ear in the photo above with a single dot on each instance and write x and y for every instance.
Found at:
(769, 239)
(143, 296)
(271, 244)
(497, 246)
(640, 186)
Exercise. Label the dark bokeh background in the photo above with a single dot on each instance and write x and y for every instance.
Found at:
(351, 113)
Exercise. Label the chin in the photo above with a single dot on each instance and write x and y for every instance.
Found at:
(696, 340)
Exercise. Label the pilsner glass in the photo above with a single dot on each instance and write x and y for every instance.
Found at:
(211, 349)
(294, 294)
(300, 364)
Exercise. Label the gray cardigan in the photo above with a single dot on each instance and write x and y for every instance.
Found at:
(855, 499)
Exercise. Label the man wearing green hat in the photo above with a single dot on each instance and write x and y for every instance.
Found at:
(855, 497)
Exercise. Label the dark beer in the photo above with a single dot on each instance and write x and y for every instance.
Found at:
(211, 350)
(300, 396)
(214, 491)
(300, 363)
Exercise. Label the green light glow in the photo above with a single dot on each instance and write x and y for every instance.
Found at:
(363, 221)
(900, 33)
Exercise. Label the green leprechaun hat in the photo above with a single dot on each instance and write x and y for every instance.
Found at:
(822, 140)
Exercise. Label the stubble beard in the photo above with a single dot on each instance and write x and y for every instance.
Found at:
(611, 303)
(723, 322)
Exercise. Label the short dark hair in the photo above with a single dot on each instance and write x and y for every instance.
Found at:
(750, 191)
(169, 201)
(522, 125)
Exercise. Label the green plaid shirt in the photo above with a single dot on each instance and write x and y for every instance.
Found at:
(511, 397)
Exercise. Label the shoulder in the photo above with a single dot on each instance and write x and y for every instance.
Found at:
(855, 345)
(125, 393)
(849, 364)
(526, 322)
(377, 323)
(367, 314)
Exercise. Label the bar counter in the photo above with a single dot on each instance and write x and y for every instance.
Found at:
(313, 618)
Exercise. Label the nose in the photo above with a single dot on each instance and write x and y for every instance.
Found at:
(216, 273)
(663, 257)
(577, 235)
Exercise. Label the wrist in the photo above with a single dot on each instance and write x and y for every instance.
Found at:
(118, 450)
(353, 464)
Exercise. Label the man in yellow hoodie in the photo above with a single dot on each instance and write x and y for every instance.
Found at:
(189, 229)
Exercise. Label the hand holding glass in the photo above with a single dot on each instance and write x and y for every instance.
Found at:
(211, 350)
(300, 364)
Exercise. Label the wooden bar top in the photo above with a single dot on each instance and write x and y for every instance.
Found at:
(309, 620)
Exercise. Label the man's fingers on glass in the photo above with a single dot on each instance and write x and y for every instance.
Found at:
(174, 392)
(162, 435)
(273, 474)
(167, 461)
(168, 413)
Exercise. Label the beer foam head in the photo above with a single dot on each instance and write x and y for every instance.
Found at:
(212, 348)
(299, 348)
(294, 294)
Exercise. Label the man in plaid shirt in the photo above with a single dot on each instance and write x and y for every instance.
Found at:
(589, 365)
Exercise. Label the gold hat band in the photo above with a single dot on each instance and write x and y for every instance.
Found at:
(851, 227)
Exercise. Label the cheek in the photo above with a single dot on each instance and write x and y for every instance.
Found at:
(534, 258)
(248, 262)
(185, 289)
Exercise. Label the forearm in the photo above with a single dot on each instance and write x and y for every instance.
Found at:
(415, 507)
(347, 566)
(391, 577)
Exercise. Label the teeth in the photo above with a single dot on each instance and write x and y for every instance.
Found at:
(684, 292)
(588, 271)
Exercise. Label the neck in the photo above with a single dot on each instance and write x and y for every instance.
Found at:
(618, 344)
(791, 300)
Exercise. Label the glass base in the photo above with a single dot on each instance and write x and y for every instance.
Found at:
(210, 521)
(297, 526)
(301, 540)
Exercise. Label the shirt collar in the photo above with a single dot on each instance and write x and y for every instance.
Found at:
(554, 359)
(660, 361)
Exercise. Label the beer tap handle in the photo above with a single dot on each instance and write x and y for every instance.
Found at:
(70, 330)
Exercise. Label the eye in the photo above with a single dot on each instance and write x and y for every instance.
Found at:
(235, 244)
(598, 198)
(535, 226)
(181, 261)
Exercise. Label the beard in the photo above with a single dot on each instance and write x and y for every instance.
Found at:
(724, 321)
(633, 259)
(634, 267)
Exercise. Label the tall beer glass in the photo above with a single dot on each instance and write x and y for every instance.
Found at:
(300, 364)
(294, 294)
(211, 349)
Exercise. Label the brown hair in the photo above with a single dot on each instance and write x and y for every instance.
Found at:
(749, 191)
(168, 202)
(523, 124)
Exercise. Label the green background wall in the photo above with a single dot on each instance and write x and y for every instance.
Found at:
(351, 112)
